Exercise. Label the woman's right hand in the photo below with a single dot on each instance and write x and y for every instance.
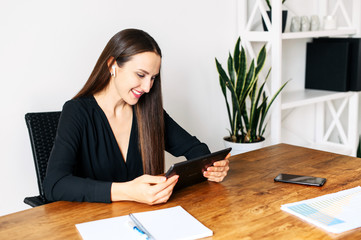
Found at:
(145, 189)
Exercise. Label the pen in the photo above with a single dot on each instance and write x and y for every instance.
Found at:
(134, 227)
(139, 227)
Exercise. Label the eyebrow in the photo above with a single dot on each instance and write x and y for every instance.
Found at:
(143, 71)
(146, 72)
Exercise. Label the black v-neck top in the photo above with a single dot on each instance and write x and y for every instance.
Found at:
(86, 158)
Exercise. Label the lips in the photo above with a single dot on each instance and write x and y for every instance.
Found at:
(136, 93)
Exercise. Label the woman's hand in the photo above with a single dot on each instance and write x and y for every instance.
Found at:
(145, 189)
(218, 171)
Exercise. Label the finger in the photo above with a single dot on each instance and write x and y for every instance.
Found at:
(216, 179)
(216, 169)
(161, 186)
(221, 163)
(163, 200)
(215, 174)
(173, 178)
(153, 179)
(165, 194)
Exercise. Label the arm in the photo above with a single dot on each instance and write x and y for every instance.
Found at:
(60, 182)
(145, 189)
(180, 143)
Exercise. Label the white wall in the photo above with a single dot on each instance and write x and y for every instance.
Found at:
(48, 49)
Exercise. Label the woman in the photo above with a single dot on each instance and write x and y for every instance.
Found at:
(112, 135)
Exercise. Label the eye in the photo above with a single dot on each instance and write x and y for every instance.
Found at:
(140, 75)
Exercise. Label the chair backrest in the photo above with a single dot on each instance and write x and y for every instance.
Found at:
(42, 128)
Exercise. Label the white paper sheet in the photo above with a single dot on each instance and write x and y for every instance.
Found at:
(164, 224)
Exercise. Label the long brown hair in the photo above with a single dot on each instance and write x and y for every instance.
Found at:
(149, 109)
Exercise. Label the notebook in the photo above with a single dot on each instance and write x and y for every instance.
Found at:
(165, 224)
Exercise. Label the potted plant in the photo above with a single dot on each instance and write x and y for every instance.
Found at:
(269, 13)
(249, 103)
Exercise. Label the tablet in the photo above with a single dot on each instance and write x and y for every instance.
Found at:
(191, 171)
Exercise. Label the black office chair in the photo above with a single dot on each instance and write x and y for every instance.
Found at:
(42, 130)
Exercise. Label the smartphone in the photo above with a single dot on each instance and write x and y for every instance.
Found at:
(298, 179)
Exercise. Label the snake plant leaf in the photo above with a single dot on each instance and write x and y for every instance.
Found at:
(270, 103)
(222, 82)
(245, 118)
(274, 96)
(230, 83)
(249, 81)
(236, 56)
(242, 72)
(231, 71)
(262, 133)
(264, 102)
(255, 107)
(222, 78)
(254, 136)
(261, 58)
(261, 112)
(260, 91)
(251, 131)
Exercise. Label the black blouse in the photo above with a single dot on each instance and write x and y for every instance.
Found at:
(86, 158)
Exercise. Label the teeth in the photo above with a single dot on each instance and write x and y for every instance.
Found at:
(136, 92)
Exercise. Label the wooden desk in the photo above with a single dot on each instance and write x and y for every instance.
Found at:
(245, 206)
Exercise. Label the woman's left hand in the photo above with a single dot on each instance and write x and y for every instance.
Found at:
(218, 171)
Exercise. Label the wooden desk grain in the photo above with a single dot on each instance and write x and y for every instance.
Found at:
(245, 206)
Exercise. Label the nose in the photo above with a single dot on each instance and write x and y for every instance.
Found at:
(147, 85)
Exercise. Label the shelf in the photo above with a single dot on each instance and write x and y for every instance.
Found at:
(261, 36)
(304, 97)
(329, 116)
(316, 34)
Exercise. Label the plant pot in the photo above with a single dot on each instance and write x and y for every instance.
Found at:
(284, 20)
(238, 148)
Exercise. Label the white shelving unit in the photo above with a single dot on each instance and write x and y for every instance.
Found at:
(323, 101)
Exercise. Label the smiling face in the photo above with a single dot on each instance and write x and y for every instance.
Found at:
(135, 77)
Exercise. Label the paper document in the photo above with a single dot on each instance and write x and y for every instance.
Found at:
(336, 212)
(167, 224)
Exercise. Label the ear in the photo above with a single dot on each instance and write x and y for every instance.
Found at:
(111, 66)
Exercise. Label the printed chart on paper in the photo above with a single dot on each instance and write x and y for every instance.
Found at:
(336, 212)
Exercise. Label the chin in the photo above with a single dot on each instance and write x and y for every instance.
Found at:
(133, 101)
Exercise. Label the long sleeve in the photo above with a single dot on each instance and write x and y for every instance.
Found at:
(179, 142)
(60, 182)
